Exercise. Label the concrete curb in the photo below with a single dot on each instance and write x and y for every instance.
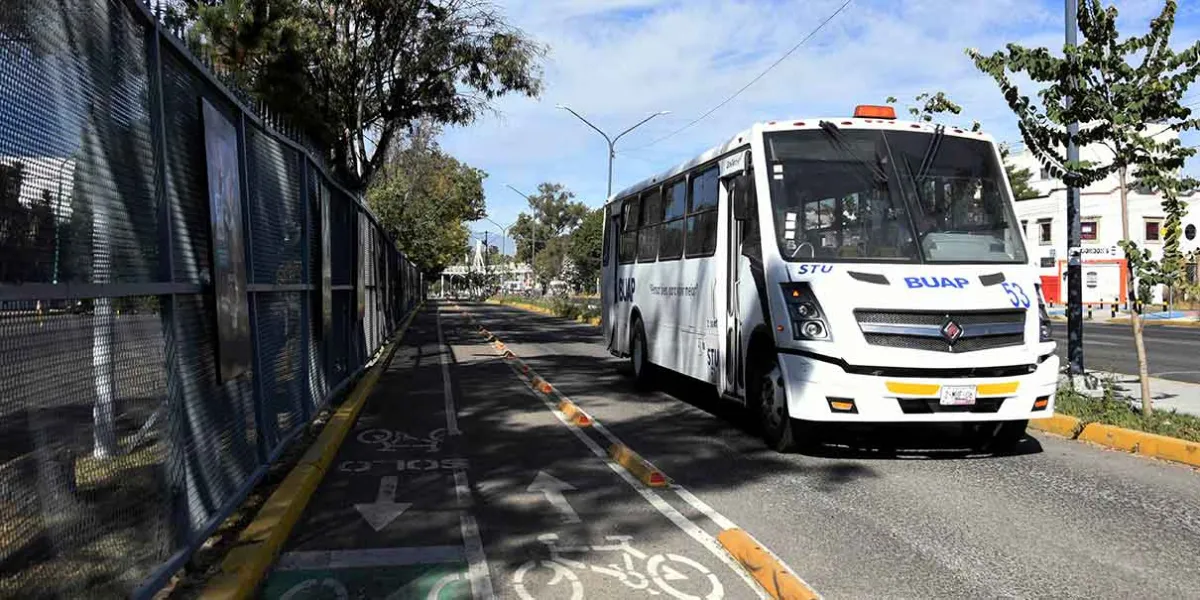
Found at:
(1119, 438)
(764, 567)
(259, 544)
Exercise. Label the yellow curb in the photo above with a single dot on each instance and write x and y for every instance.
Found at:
(574, 414)
(1146, 444)
(775, 579)
(1058, 424)
(245, 566)
(640, 467)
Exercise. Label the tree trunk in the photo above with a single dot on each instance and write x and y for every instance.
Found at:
(1135, 314)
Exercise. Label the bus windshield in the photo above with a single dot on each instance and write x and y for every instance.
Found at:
(889, 196)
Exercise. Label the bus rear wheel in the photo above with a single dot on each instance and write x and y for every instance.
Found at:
(639, 358)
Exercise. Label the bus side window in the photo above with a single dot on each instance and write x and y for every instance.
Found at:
(751, 240)
(604, 249)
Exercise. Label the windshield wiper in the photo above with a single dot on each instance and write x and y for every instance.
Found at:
(935, 145)
(839, 142)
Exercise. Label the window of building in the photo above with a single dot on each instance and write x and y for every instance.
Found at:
(652, 213)
(1044, 238)
(1153, 230)
(700, 238)
(670, 240)
(1044, 174)
(1087, 231)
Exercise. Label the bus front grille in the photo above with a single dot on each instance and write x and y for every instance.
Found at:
(927, 330)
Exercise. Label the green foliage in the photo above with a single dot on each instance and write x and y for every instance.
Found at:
(424, 197)
(1114, 410)
(928, 106)
(585, 249)
(570, 308)
(553, 212)
(359, 73)
(1018, 178)
(549, 262)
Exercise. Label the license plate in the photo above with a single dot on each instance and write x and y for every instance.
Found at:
(958, 395)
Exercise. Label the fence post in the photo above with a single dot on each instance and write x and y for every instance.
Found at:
(256, 353)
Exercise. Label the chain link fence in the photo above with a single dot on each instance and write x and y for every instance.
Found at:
(124, 441)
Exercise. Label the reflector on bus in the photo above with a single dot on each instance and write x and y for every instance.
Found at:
(870, 111)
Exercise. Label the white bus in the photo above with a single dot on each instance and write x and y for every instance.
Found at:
(857, 269)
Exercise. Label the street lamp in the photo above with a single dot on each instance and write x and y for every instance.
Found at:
(533, 242)
(611, 141)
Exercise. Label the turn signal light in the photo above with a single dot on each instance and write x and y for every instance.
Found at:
(1041, 403)
(870, 111)
(845, 405)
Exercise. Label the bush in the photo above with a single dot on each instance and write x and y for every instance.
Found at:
(1112, 409)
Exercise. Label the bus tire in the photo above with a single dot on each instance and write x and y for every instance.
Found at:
(769, 404)
(639, 357)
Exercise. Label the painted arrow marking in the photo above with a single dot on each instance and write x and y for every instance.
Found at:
(385, 509)
(552, 488)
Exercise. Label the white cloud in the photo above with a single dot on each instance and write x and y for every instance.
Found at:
(616, 61)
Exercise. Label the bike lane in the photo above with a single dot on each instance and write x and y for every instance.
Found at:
(513, 505)
(557, 517)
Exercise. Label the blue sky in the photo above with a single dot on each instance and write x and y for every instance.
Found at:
(617, 61)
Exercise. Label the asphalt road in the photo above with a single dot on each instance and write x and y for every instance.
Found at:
(1173, 352)
(1057, 519)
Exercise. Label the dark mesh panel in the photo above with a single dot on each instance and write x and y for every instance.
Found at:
(317, 382)
(77, 197)
(277, 224)
(339, 340)
(81, 450)
(343, 222)
(283, 368)
(187, 174)
(940, 345)
(213, 423)
(964, 318)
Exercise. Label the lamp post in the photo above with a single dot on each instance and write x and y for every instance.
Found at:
(611, 141)
(533, 233)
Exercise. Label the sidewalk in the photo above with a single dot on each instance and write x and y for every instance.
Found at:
(1165, 393)
(1103, 314)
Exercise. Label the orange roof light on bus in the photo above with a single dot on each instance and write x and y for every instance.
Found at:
(870, 111)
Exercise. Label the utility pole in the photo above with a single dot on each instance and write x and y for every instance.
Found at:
(1074, 252)
(611, 141)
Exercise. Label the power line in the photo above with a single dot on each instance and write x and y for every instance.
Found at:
(755, 80)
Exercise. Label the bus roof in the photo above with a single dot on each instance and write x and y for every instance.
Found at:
(743, 138)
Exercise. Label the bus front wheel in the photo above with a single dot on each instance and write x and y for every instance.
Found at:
(639, 357)
(769, 404)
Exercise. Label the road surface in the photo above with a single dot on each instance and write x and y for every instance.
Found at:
(1173, 352)
(861, 519)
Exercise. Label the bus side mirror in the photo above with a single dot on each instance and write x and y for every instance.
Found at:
(742, 194)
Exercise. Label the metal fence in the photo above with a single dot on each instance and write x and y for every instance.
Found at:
(123, 442)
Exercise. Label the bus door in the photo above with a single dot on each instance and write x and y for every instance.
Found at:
(608, 274)
(742, 227)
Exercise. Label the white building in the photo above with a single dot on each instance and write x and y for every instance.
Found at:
(1044, 221)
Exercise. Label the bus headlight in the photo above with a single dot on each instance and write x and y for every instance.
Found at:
(1043, 316)
(805, 313)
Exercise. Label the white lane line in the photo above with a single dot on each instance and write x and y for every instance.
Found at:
(444, 355)
(477, 567)
(368, 557)
(674, 516)
(704, 508)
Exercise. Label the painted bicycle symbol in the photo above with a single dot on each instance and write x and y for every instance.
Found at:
(388, 440)
(663, 572)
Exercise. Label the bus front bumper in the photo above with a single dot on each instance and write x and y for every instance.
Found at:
(822, 391)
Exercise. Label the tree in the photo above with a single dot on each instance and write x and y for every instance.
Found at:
(552, 213)
(930, 105)
(356, 74)
(424, 197)
(1018, 179)
(1117, 88)
(585, 249)
(549, 262)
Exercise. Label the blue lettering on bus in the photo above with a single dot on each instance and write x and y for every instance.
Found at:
(813, 269)
(937, 282)
(625, 288)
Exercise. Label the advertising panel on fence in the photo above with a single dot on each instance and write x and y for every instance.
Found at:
(326, 264)
(228, 251)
